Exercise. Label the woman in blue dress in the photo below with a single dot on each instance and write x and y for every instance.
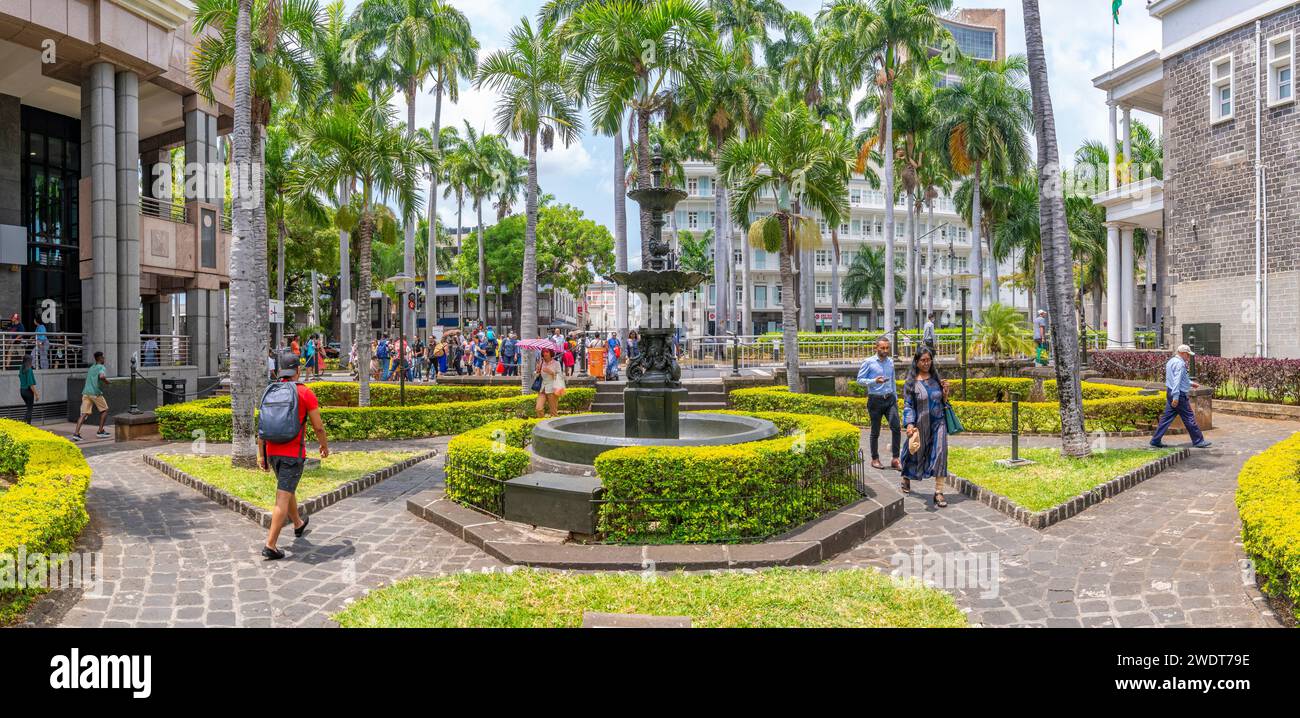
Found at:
(924, 396)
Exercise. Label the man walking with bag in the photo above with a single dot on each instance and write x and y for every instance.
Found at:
(1178, 384)
(285, 409)
(878, 378)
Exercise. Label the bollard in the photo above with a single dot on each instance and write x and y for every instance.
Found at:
(135, 405)
(1015, 428)
(735, 355)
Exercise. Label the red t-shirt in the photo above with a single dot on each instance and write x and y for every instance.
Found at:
(306, 402)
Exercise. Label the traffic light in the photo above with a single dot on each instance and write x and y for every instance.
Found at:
(410, 303)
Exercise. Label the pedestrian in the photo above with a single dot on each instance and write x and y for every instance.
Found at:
(42, 344)
(1040, 338)
(568, 360)
(925, 396)
(92, 398)
(27, 387)
(284, 453)
(552, 374)
(633, 345)
(613, 351)
(928, 336)
(310, 353)
(440, 355)
(151, 352)
(878, 378)
(382, 351)
(352, 359)
(510, 354)
(1178, 385)
(490, 346)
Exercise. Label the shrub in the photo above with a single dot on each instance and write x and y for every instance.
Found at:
(430, 411)
(45, 510)
(1268, 490)
(682, 494)
(1240, 378)
(1121, 411)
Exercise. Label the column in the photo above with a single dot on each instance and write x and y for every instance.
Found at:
(1110, 147)
(156, 174)
(1126, 285)
(1114, 293)
(1128, 148)
(128, 218)
(198, 326)
(103, 214)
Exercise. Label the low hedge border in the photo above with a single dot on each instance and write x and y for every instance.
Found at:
(751, 490)
(45, 509)
(1000, 389)
(1268, 490)
(430, 411)
(316, 504)
(1118, 414)
(1075, 506)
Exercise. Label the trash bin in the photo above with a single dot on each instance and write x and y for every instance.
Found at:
(596, 362)
(173, 391)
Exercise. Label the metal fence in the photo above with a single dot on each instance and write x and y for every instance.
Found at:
(157, 350)
(167, 209)
(48, 350)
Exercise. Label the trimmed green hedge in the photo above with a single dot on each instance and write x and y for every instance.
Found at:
(45, 510)
(430, 411)
(683, 494)
(1122, 412)
(1268, 491)
(1000, 389)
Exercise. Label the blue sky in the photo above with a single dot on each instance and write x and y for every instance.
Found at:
(1077, 35)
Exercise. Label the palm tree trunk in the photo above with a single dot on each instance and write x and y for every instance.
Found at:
(976, 250)
(365, 230)
(721, 257)
(246, 366)
(620, 231)
(1056, 245)
(643, 179)
(747, 285)
(835, 279)
(279, 274)
(888, 186)
(929, 262)
(789, 319)
(460, 249)
(909, 296)
(482, 266)
(528, 290)
(995, 292)
(408, 222)
(347, 306)
(431, 276)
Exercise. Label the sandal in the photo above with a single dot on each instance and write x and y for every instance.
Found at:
(906, 486)
(939, 501)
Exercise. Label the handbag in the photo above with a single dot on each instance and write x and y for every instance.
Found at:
(950, 418)
(537, 383)
(914, 444)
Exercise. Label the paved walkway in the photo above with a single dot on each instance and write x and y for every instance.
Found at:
(1166, 553)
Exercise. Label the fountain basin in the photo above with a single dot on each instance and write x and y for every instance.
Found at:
(580, 439)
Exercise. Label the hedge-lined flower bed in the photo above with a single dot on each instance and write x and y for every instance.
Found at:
(429, 411)
(1121, 412)
(1000, 389)
(1268, 491)
(684, 494)
(45, 510)
(1274, 381)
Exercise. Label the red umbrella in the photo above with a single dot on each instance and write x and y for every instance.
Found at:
(537, 344)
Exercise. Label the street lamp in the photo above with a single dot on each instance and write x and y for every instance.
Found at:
(403, 284)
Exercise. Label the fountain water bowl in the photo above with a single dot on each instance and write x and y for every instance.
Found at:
(580, 439)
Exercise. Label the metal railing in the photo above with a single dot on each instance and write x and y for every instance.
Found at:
(157, 350)
(167, 209)
(48, 351)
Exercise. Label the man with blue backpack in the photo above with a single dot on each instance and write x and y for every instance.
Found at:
(381, 353)
(283, 413)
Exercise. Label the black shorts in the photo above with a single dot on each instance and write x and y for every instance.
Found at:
(288, 471)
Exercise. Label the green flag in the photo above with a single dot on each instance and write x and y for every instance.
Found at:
(1114, 9)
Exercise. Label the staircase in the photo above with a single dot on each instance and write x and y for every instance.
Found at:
(703, 395)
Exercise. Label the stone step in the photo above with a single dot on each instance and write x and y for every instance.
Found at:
(702, 406)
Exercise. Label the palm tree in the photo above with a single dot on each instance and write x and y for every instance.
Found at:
(362, 140)
(456, 172)
(637, 56)
(1002, 332)
(879, 42)
(1018, 232)
(246, 351)
(801, 163)
(1056, 244)
(482, 157)
(693, 256)
(533, 78)
(284, 196)
(984, 118)
(866, 279)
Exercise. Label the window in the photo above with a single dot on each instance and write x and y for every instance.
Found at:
(1281, 69)
(738, 258)
(760, 296)
(823, 259)
(693, 186)
(823, 291)
(1221, 87)
(693, 220)
(760, 259)
(778, 294)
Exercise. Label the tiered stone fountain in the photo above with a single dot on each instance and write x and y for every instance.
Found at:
(654, 393)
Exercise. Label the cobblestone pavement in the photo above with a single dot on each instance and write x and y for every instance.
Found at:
(174, 558)
(1164, 553)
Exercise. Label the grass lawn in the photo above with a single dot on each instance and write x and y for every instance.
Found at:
(258, 487)
(528, 598)
(1053, 480)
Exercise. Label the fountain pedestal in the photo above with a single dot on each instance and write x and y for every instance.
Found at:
(653, 412)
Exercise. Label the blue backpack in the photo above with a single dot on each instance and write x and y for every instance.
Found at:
(382, 350)
(278, 420)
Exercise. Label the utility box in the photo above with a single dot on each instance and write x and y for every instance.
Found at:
(173, 391)
(821, 385)
(1204, 339)
(553, 501)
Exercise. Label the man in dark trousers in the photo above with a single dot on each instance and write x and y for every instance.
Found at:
(877, 377)
(1178, 384)
(288, 460)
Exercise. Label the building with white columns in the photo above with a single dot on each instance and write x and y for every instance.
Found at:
(1226, 265)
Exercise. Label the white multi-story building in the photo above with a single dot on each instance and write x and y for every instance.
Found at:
(865, 228)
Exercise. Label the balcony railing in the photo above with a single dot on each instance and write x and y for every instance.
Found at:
(48, 351)
(158, 350)
(167, 209)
